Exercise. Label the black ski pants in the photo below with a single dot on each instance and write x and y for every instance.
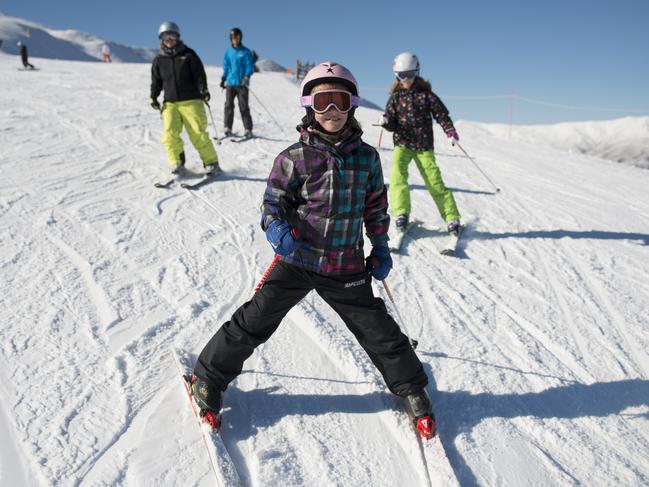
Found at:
(241, 94)
(350, 296)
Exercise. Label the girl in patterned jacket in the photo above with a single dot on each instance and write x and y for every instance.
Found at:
(408, 114)
(320, 194)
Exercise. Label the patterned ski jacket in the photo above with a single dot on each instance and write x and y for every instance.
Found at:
(326, 192)
(409, 115)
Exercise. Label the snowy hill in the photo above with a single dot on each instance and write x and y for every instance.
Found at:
(269, 66)
(69, 44)
(536, 337)
(622, 140)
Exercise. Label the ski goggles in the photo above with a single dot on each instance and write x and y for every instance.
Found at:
(404, 75)
(321, 101)
(165, 36)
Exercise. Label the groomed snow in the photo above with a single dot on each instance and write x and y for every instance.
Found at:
(536, 336)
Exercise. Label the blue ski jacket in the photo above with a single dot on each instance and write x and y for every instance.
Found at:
(237, 64)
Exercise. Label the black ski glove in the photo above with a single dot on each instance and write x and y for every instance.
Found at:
(154, 103)
(222, 83)
(206, 95)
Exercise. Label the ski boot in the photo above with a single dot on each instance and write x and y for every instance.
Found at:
(212, 169)
(209, 400)
(401, 222)
(419, 409)
(179, 168)
(454, 227)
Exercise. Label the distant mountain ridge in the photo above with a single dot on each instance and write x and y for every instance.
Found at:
(66, 44)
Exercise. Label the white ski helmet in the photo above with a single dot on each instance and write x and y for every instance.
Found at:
(328, 72)
(168, 27)
(406, 61)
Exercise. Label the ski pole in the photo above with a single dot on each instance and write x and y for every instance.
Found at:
(216, 134)
(478, 167)
(268, 111)
(413, 342)
(378, 147)
(268, 271)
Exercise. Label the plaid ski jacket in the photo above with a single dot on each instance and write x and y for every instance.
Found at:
(409, 115)
(327, 192)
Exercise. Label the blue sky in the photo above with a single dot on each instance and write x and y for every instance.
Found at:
(578, 53)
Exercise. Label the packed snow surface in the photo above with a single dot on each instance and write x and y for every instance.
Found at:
(535, 336)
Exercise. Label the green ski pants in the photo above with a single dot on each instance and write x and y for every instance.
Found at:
(191, 115)
(400, 193)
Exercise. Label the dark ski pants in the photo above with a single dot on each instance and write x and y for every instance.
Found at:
(241, 94)
(350, 296)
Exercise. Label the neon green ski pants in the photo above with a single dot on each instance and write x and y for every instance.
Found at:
(191, 115)
(400, 193)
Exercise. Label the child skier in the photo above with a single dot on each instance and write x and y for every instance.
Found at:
(320, 192)
(408, 114)
(178, 71)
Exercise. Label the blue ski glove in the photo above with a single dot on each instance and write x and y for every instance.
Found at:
(379, 262)
(281, 237)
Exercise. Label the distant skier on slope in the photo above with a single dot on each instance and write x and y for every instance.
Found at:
(320, 194)
(178, 71)
(24, 56)
(105, 54)
(238, 66)
(408, 113)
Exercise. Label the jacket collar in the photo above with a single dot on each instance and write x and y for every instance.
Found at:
(179, 48)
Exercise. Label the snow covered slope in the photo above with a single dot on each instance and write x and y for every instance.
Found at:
(536, 336)
(621, 140)
(70, 44)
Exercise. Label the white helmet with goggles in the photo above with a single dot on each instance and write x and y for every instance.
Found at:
(405, 66)
(329, 72)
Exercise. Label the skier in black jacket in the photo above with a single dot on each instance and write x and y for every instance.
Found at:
(178, 71)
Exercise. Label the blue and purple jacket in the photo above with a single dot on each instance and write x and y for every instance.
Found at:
(327, 191)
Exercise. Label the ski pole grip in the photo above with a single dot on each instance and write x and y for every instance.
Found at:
(294, 233)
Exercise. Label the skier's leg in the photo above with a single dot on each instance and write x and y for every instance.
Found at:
(228, 108)
(195, 121)
(172, 125)
(251, 325)
(244, 107)
(399, 192)
(443, 198)
(367, 318)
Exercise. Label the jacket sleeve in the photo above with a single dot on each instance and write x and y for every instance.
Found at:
(249, 64)
(198, 72)
(440, 112)
(156, 80)
(226, 65)
(281, 191)
(391, 114)
(377, 220)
